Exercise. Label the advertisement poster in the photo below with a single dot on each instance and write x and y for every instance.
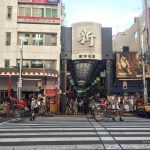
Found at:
(129, 65)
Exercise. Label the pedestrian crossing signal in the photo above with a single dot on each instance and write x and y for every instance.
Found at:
(125, 86)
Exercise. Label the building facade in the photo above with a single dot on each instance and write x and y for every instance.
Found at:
(30, 47)
(128, 47)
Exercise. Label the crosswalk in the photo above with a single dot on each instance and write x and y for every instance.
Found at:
(133, 133)
(54, 133)
(75, 133)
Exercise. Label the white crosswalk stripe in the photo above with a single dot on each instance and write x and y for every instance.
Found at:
(75, 133)
(54, 133)
(133, 133)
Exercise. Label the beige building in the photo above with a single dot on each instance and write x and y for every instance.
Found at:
(30, 29)
(134, 37)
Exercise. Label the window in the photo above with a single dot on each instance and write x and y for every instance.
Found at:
(54, 13)
(37, 39)
(24, 11)
(135, 35)
(9, 12)
(7, 63)
(35, 12)
(21, 11)
(26, 63)
(93, 56)
(49, 64)
(41, 12)
(80, 56)
(8, 38)
(36, 64)
(38, 12)
(53, 39)
(89, 56)
(48, 12)
(28, 11)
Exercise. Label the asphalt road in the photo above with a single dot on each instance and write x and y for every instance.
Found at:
(72, 133)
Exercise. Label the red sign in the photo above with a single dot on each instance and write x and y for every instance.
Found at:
(39, 1)
(25, 1)
(51, 92)
(38, 19)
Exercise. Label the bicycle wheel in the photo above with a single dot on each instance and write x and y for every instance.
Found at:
(99, 113)
(16, 113)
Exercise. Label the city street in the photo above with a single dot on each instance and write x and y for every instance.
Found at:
(71, 133)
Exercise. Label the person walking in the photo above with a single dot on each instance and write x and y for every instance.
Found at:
(34, 108)
(118, 108)
(75, 107)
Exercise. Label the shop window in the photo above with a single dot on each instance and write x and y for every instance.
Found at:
(8, 38)
(9, 12)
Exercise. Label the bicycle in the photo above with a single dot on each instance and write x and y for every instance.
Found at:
(103, 110)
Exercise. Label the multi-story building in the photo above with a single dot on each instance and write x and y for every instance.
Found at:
(30, 47)
(128, 47)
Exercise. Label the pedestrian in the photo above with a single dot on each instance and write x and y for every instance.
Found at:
(75, 107)
(118, 108)
(34, 108)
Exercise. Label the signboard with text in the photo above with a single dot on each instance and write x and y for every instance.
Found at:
(38, 19)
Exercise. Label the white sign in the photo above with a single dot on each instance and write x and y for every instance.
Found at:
(86, 36)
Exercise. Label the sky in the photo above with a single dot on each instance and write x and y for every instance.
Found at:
(118, 14)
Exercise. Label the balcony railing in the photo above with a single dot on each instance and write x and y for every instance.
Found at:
(29, 72)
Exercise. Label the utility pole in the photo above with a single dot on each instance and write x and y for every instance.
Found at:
(19, 83)
(143, 69)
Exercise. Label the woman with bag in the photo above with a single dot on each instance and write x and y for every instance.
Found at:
(34, 108)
